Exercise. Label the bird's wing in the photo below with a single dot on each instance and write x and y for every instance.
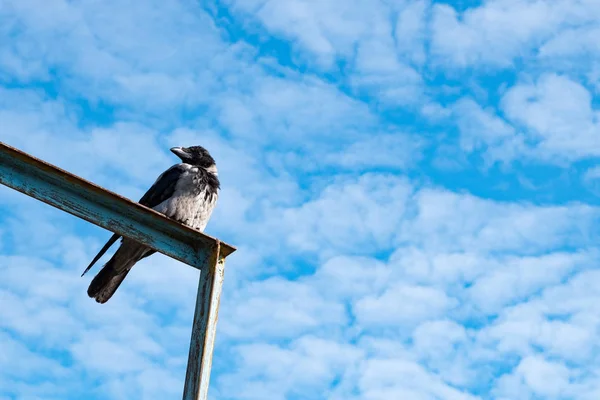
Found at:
(162, 189)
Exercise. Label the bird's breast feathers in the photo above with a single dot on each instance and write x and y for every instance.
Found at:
(192, 201)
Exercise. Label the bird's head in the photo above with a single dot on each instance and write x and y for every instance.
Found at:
(195, 155)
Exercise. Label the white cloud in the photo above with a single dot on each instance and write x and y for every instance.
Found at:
(499, 32)
(593, 173)
(323, 28)
(482, 129)
(403, 305)
(379, 69)
(538, 377)
(493, 33)
(304, 369)
(519, 278)
(292, 110)
(394, 150)
(442, 346)
(380, 50)
(411, 30)
(572, 42)
(278, 308)
(449, 221)
(552, 120)
(558, 116)
(145, 64)
(351, 280)
(356, 216)
(380, 380)
(47, 129)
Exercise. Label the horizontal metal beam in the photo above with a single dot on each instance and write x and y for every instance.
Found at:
(99, 206)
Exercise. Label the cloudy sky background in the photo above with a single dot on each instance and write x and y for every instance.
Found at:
(412, 186)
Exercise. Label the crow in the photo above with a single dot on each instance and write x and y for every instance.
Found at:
(186, 192)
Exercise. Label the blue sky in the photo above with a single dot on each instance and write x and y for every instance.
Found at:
(412, 186)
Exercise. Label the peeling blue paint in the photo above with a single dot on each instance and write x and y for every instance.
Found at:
(83, 199)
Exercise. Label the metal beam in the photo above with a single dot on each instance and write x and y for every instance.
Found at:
(99, 206)
(204, 329)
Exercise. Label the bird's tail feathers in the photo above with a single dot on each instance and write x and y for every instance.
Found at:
(106, 283)
(110, 242)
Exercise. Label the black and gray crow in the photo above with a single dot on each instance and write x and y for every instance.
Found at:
(186, 192)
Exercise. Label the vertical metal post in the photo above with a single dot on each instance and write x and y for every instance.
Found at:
(204, 328)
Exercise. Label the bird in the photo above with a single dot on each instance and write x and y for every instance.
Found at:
(186, 192)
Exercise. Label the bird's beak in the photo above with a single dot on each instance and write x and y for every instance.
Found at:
(180, 152)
